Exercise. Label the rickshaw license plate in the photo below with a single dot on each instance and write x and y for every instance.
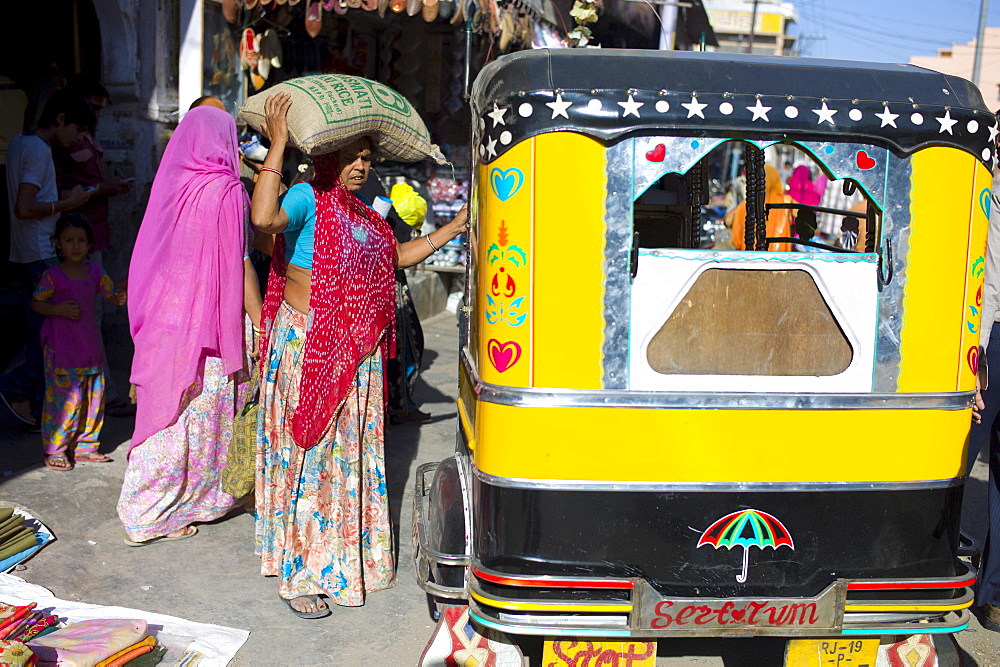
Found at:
(826, 652)
(557, 652)
(820, 614)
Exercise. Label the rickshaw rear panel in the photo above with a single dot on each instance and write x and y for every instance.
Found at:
(662, 438)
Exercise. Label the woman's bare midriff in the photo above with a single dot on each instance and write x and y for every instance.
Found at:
(298, 282)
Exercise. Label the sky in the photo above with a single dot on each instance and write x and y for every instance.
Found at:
(889, 30)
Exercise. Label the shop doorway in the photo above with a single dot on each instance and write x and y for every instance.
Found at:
(54, 40)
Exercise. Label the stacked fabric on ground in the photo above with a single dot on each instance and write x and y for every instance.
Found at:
(101, 642)
(21, 535)
(15, 536)
(179, 641)
(30, 637)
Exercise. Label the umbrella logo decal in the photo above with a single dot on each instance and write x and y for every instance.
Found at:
(747, 528)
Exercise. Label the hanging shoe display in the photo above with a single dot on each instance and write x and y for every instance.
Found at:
(429, 10)
(248, 49)
(314, 17)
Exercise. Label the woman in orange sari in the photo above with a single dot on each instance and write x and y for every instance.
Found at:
(779, 220)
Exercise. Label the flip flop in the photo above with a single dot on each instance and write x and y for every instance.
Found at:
(58, 457)
(429, 12)
(308, 614)
(314, 17)
(230, 11)
(95, 457)
(165, 538)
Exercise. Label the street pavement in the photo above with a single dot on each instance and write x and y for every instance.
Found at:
(214, 577)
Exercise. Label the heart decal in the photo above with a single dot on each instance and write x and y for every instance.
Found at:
(737, 614)
(973, 358)
(505, 184)
(503, 355)
(864, 161)
(985, 201)
(657, 154)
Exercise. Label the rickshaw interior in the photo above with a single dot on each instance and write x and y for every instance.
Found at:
(748, 322)
(688, 209)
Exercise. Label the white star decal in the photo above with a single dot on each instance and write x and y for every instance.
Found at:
(946, 122)
(630, 107)
(887, 117)
(491, 147)
(559, 107)
(994, 131)
(497, 115)
(759, 111)
(825, 114)
(694, 107)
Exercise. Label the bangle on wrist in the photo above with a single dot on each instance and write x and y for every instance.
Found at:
(431, 243)
(273, 171)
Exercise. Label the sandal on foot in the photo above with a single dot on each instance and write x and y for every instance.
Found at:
(320, 613)
(58, 462)
(189, 531)
(93, 457)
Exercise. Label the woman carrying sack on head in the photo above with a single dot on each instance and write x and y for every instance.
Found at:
(189, 286)
(322, 505)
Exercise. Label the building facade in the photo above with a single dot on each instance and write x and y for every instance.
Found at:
(732, 19)
(958, 59)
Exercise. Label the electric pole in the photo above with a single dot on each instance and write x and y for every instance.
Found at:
(977, 60)
(753, 25)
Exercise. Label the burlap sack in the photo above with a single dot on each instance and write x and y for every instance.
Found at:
(331, 110)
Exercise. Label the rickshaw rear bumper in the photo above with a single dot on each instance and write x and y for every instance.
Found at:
(639, 611)
(608, 606)
(441, 560)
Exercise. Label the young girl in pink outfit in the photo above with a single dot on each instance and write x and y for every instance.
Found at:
(73, 413)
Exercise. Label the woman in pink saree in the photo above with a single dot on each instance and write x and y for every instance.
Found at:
(191, 283)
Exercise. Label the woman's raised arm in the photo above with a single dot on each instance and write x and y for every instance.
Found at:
(265, 213)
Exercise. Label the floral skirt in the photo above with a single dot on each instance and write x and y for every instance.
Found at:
(173, 477)
(322, 513)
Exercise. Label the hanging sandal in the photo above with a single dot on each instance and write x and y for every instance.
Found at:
(58, 462)
(319, 613)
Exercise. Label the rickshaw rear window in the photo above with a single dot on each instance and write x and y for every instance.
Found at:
(751, 322)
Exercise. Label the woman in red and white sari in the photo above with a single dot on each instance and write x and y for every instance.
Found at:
(322, 507)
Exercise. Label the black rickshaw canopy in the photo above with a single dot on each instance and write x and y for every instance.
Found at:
(606, 93)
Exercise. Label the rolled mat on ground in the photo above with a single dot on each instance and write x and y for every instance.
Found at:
(330, 111)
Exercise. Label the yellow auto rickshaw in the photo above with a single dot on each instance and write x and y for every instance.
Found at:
(663, 439)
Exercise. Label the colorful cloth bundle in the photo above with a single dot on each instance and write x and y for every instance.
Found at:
(94, 642)
(23, 623)
(15, 536)
(126, 655)
(16, 654)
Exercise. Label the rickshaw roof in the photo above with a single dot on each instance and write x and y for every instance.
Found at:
(607, 93)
